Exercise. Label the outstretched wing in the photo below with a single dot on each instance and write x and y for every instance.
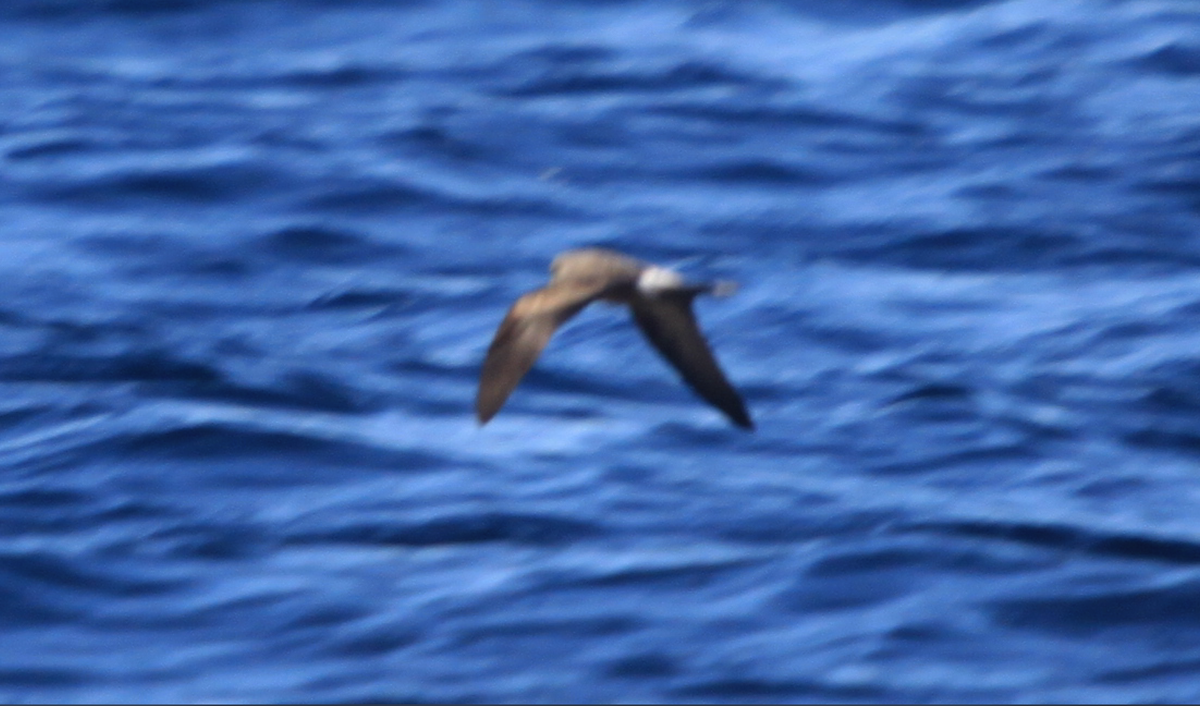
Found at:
(668, 321)
(519, 341)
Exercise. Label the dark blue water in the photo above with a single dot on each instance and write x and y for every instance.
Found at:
(252, 254)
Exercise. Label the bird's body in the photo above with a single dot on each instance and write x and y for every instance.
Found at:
(661, 304)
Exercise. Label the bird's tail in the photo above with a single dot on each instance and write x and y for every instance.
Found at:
(722, 288)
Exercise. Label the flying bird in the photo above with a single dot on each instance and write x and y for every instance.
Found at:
(659, 299)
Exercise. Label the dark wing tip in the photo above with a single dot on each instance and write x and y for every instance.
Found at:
(483, 416)
(742, 419)
(670, 326)
(497, 380)
(733, 407)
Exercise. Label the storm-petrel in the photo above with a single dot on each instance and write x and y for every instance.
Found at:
(661, 304)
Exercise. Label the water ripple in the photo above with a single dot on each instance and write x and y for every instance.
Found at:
(254, 252)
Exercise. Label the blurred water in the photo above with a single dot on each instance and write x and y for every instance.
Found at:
(253, 253)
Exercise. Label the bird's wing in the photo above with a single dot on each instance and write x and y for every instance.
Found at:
(522, 335)
(669, 323)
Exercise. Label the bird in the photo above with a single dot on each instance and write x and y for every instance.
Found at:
(659, 300)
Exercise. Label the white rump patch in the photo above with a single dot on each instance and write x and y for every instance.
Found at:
(658, 279)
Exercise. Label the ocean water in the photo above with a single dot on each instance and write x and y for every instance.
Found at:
(252, 253)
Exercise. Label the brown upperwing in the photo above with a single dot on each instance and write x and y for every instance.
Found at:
(667, 320)
(522, 335)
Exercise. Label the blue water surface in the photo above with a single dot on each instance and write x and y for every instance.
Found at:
(252, 254)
